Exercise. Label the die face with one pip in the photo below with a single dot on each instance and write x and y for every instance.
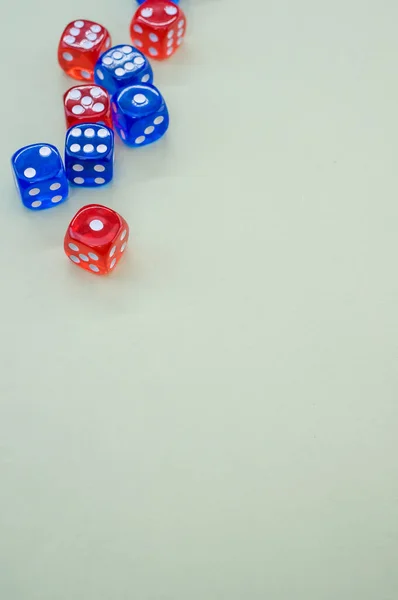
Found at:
(96, 239)
(87, 103)
(80, 46)
(40, 176)
(158, 28)
(89, 153)
(121, 66)
(140, 114)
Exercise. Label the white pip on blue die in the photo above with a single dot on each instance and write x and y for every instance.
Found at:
(140, 114)
(40, 176)
(121, 66)
(89, 154)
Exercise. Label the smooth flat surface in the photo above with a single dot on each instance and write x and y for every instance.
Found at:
(218, 420)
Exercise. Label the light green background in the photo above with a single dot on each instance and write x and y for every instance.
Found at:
(218, 420)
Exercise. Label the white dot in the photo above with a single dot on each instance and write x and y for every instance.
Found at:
(139, 99)
(158, 120)
(169, 51)
(36, 203)
(170, 42)
(113, 263)
(123, 247)
(75, 94)
(122, 134)
(145, 78)
(171, 33)
(103, 133)
(153, 51)
(98, 107)
(123, 235)
(107, 61)
(86, 44)
(79, 24)
(91, 36)
(149, 130)
(76, 132)
(83, 257)
(55, 186)
(94, 268)
(30, 172)
(140, 139)
(112, 252)
(89, 133)
(85, 74)
(56, 199)
(137, 43)
(88, 148)
(75, 148)
(180, 32)
(74, 258)
(67, 56)
(95, 28)
(153, 37)
(87, 100)
(74, 247)
(179, 41)
(99, 180)
(96, 92)
(34, 191)
(181, 23)
(96, 225)
(78, 167)
(138, 29)
(138, 60)
(128, 66)
(100, 74)
(102, 148)
(147, 12)
(93, 256)
(99, 168)
(45, 151)
(74, 31)
(119, 72)
(69, 39)
(127, 49)
(77, 109)
(170, 10)
(79, 180)
(117, 55)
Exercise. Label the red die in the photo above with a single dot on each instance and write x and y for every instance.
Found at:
(96, 238)
(80, 47)
(158, 28)
(87, 104)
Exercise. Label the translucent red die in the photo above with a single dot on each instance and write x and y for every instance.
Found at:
(96, 239)
(87, 104)
(158, 28)
(80, 46)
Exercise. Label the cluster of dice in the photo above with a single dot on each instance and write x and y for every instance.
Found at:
(118, 95)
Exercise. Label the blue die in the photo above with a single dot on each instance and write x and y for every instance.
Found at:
(140, 114)
(40, 176)
(121, 66)
(89, 154)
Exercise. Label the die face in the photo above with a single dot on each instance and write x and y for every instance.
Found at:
(40, 176)
(140, 115)
(121, 66)
(158, 28)
(89, 154)
(96, 239)
(80, 46)
(87, 104)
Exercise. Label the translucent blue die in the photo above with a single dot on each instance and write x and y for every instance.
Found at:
(140, 114)
(89, 154)
(121, 66)
(40, 176)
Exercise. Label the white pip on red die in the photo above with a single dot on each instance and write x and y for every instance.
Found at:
(158, 28)
(96, 239)
(80, 47)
